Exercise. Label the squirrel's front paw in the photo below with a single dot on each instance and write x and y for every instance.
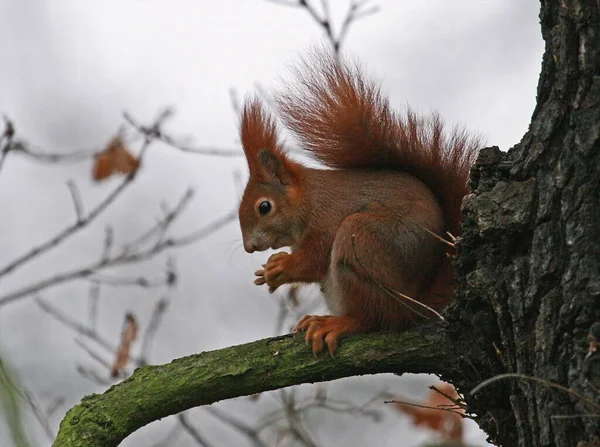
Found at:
(274, 273)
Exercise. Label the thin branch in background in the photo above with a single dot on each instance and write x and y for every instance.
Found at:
(109, 237)
(76, 326)
(344, 407)
(457, 401)
(54, 406)
(191, 430)
(282, 314)
(451, 409)
(122, 259)
(137, 281)
(76, 196)
(171, 273)
(92, 376)
(173, 435)
(357, 10)
(320, 401)
(93, 303)
(295, 311)
(6, 140)
(93, 354)
(159, 229)
(154, 135)
(293, 415)
(80, 223)
(292, 307)
(37, 153)
(539, 380)
(203, 232)
(243, 428)
(45, 157)
(157, 315)
(10, 395)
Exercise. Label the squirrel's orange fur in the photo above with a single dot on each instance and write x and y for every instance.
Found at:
(365, 228)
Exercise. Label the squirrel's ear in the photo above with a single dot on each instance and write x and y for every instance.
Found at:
(274, 167)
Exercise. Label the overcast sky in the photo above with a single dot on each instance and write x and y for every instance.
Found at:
(71, 67)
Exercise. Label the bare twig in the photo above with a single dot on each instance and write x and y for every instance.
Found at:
(159, 229)
(75, 227)
(458, 401)
(77, 203)
(138, 281)
(544, 382)
(356, 10)
(417, 224)
(151, 134)
(243, 428)
(92, 376)
(398, 296)
(451, 409)
(93, 302)
(40, 155)
(122, 259)
(170, 437)
(7, 382)
(159, 310)
(192, 431)
(6, 140)
(109, 237)
(93, 354)
(78, 327)
(39, 414)
(353, 14)
(319, 402)
(54, 405)
(203, 232)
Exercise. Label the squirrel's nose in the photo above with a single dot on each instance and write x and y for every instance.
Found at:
(250, 248)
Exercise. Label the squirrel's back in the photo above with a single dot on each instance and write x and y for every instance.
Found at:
(345, 122)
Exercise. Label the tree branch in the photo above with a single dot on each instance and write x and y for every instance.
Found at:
(154, 392)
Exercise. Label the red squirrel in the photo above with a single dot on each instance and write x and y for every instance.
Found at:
(369, 227)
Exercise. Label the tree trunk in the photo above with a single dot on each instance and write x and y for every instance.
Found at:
(528, 268)
(529, 262)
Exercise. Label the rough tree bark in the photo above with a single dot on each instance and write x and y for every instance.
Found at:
(529, 267)
(529, 286)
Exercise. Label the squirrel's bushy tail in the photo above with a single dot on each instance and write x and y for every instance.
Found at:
(344, 121)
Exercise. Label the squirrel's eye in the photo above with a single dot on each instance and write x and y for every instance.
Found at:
(264, 207)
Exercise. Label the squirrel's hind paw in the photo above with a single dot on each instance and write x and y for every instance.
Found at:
(328, 329)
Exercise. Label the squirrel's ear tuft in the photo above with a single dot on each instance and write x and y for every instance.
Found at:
(275, 168)
(258, 129)
(265, 156)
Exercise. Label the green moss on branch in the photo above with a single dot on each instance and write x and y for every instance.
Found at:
(154, 392)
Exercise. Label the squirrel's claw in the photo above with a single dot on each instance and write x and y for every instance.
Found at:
(274, 273)
(325, 330)
(261, 277)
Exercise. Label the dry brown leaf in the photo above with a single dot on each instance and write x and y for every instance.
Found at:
(128, 336)
(114, 158)
(448, 424)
